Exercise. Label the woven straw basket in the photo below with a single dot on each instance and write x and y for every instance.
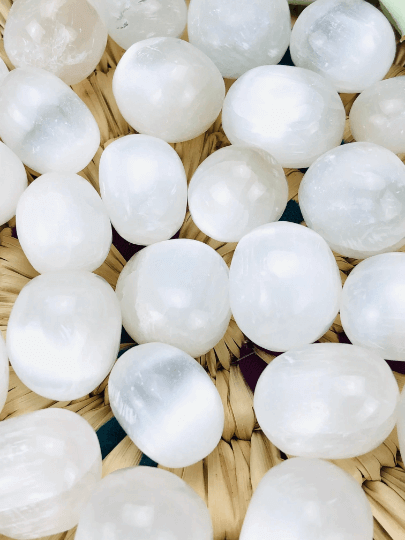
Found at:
(228, 476)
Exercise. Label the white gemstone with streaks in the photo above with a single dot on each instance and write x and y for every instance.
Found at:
(13, 182)
(4, 372)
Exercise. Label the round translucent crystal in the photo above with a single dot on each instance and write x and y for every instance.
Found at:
(176, 292)
(354, 196)
(65, 37)
(235, 190)
(13, 181)
(144, 188)
(50, 464)
(167, 88)
(294, 114)
(45, 123)
(167, 404)
(4, 373)
(349, 42)
(64, 333)
(242, 36)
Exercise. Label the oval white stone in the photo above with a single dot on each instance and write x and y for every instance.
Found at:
(4, 373)
(13, 181)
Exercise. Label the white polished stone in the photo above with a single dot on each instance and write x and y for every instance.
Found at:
(284, 286)
(145, 503)
(167, 88)
(13, 181)
(65, 37)
(235, 190)
(64, 333)
(3, 70)
(4, 372)
(241, 35)
(144, 188)
(50, 464)
(167, 404)
(349, 42)
(354, 196)
(308, 499)
(45, 123)
(294, 114)
(176, 292)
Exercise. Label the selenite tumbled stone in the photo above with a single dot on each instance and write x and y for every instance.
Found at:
(64, 37)
(144, 188)
(176, 292)
(294, 114)
(240, 35)
(145, 503)
(64, 333)
(354, 196)
(167, 404)
(284, 286)
(167, 88)
(308, 499)
(50, 464)
(45, 123)
(235, 190)
(13, 181)
(4, 372)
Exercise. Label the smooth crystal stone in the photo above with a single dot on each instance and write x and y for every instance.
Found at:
(241, 35)
(354, 196)
(64, 333)
(235, 190)
(308, 499)
(284, 286)
(144, 188)
(167, 88)
(294, 114)
(13, 181)
(176, 292)
(65, 37)
(144, 503)
(50, 464)
(3, 70)
(167, 404)
(45, 123)
(4, 372)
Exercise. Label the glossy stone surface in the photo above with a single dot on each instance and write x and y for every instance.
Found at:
(13, 181)
(308, 499)
(241, 35)
(144, 188)
(176, 292)
(354, 196)
(145, 503)
(167, 88)
(65, 37)
(294, 114)
(64, 333)
(50, 464)
(4, 372)
(167, 404)
(3, 70)
(235, 190)
(349, 42)
(284, 286)
(45, 123)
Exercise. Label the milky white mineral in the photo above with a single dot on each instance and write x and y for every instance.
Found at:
(176, 292)
(4, 373)
(293, 113)
(64, 333)
(354, 196)
(3, 70)
(168, 88)
(145, 503)
(235, 190)
(50, 464)
(144, 188)
(13, 181)
(65, 37)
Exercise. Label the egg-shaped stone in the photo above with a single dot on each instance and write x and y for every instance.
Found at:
(13, 181)
(176, 292)
(64, 37)
(45, 123)
(284, 286)
(167, 88)
(50, 464)
(4, 372)
(3, 70)
(354, 196)
(64, 333)
(144, 188)
(241, 35)
(294, 114)
(308, 499)
(235, 190)
(167, 404)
